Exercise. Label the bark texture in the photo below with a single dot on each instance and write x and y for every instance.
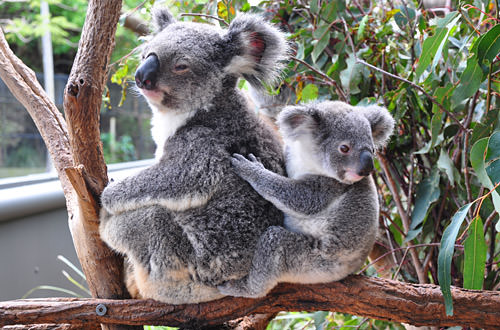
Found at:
(75, 145)
(416, 304)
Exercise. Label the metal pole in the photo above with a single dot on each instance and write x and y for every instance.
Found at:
(48, 64)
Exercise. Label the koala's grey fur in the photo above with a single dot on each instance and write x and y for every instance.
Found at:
(189, 223)
(330, 200)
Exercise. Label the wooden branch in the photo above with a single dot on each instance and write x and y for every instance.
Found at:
(416, 304)
(82, 104)
(77, 143)
(48, 327)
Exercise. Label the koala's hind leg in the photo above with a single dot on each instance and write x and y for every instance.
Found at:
(280, 255)
(150, 238)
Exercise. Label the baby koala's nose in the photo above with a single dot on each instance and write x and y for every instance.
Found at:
(366, 163)
(147, 73)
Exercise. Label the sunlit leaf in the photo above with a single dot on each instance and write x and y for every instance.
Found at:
(445, 164)
(309, 93)
(222, 10)
(433, 46)
(351, 76)
(446, 254)
(361, 29)
(475, 256)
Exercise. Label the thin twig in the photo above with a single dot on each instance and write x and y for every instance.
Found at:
(208, 16)
(401, 263)
(488, 93)
(324, 76)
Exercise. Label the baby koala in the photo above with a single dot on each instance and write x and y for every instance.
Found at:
(329, 199)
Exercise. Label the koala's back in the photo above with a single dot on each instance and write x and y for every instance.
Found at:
(225, 230)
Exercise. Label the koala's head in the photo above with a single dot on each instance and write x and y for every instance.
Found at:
(335, 138)
(185, 65)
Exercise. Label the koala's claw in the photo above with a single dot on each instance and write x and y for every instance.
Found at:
(237, 288)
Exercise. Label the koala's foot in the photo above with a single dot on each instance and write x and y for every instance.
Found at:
(240, 288)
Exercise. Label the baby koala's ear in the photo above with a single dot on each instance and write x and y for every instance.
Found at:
(162, 18)
(381, 122)
(256, 49)
(295, 121)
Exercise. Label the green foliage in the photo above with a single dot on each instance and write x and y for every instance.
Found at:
(475, 256)
(117, 151)
(325, 321)
(446, 254)
(440, 78)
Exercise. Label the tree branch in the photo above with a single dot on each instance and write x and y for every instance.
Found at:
(77, 143)
(82, 104)
(417, 304)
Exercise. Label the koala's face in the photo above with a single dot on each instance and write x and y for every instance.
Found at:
(341, 139)
(182, 67)
(185, 65)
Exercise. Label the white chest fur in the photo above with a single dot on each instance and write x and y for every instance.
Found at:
(300, 159)
(164, 125)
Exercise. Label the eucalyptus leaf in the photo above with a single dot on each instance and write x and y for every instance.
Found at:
(330, 11)
(475, 256)
(320, 46)
(309, 93)
(427, 193)
(314, 6)
(489, 46)
(351, 76)
(436, 124)
(361, 29)
(446, 254)
(433, 46)
(470, 80)
(445, 164)
(487, 171)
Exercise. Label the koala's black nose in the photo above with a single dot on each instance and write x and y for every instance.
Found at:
(147, 73)
(366, 163)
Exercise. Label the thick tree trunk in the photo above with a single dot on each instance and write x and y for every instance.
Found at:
(82, 105)
(76, 149)
(417, 304)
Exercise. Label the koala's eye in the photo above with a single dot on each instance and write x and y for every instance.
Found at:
(344, 149)
(180, 68)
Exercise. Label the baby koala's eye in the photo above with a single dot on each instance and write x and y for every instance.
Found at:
(180, 68)
(344, 148)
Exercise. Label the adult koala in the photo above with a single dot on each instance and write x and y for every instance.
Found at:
(189, 223)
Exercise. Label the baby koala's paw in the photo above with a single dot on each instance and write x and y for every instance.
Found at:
(239, 288)
(247, 169)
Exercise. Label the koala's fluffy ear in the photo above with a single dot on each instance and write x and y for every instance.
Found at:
(381, 122)
(295, 121)
(256, 48)
(161, 18)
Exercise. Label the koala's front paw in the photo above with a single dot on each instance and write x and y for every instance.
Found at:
(247, 169)
(239, 288)
(110, 198)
